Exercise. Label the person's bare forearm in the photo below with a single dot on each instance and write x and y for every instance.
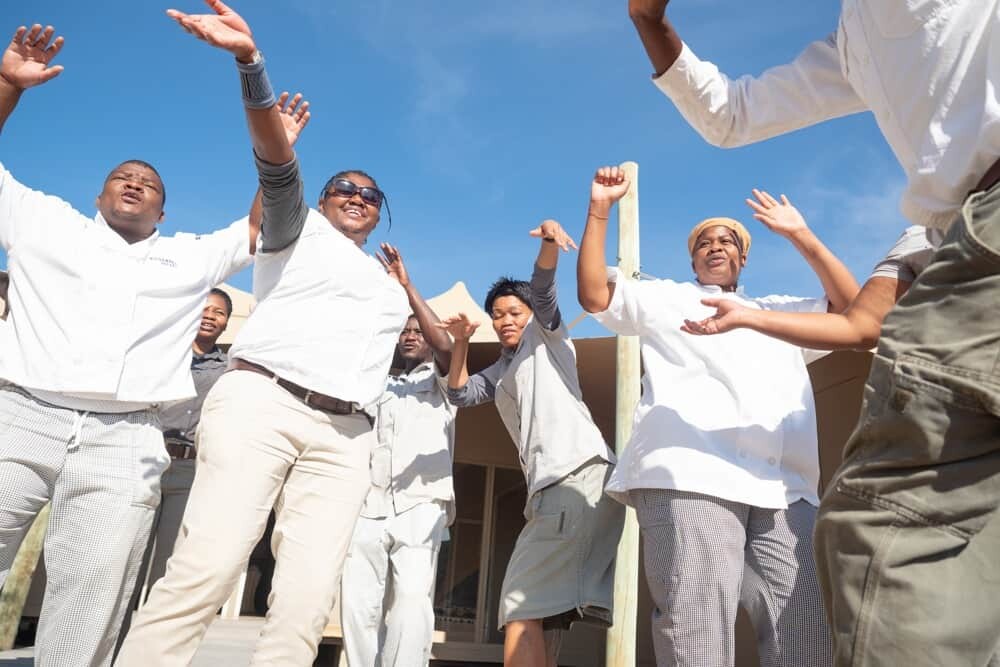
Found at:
(437, 338)
(838, 282)
(857, 328)
(9, 97)
(662, 43)
(548, 255)
(593, 291)
(458, 372)
(267, 134)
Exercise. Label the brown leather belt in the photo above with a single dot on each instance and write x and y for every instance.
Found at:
(309, 397)
(989, 179)
(181, 450)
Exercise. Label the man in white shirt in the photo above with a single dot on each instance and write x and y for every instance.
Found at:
(387, 590)
(286, 427)
(103, 313)
(908, 530)
(723, 465)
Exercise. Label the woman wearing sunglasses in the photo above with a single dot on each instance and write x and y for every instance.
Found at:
(285, 427)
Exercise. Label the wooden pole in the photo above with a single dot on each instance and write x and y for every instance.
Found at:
(621, 639)
(18, 582)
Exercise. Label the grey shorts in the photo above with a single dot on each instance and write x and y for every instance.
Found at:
(563, 566)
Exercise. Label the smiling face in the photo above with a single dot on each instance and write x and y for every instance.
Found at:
(132, 201)
(717, 258)
(412, 346)
(351, 215)
(510, 316)
(214, 318)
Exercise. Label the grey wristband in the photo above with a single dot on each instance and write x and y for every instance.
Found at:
(257, 91)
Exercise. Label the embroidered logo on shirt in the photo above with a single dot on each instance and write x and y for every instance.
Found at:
(164, 261)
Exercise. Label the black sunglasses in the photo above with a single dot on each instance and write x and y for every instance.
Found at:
(345, 188)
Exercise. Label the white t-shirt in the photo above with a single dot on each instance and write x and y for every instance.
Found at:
(730, 416)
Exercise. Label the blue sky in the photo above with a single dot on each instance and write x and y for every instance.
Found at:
(478, 120)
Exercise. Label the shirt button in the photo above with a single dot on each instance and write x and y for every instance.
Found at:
(771, 460)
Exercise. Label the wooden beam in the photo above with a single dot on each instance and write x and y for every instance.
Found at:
(621, 638)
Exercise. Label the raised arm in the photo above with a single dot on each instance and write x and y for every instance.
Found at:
(463, 390)
(294, 116)
(661, 41)
(26, 63)
(544, 300)
(785, 220)
(436, 337)
(593, 289)
(727, 113)
(857, 328)
(283, 205)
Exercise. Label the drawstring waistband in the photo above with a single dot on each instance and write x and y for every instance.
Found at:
(74, 439)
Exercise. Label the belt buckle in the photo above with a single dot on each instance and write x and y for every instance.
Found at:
(306, 399)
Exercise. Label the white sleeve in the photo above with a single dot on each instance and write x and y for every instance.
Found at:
(908, 257)
(797, 304)
(623, 315)
(21, 206)
(727, 113)
(226, 251)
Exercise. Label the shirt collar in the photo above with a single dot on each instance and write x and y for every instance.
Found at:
(139, 247)
(215, 354)
(426, 366)
(715, 289)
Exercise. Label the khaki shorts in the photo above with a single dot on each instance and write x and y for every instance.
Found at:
(563, 566)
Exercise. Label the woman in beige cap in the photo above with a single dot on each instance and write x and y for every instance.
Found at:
(722, 467)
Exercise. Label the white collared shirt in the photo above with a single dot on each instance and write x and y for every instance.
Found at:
(412, 463)
(927, 69)
(95, 318)
(327, 317)
(730, 415)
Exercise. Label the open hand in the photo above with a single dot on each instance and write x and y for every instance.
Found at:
(458, 326)
(224, 29)
(392, 260)
(610, 184)
(781, 218)
(294, 116)
(552, 231)
(26, 61)
(728, 316)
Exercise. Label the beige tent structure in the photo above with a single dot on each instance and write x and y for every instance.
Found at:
(490, 493)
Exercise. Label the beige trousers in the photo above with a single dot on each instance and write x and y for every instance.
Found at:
(259, 447)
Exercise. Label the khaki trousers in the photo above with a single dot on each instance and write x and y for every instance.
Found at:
(908, 534)
(259, 447)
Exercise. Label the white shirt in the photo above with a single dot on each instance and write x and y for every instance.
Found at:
(927, 69)
(730, 416)
(910, 255)
(412, 462)
(327, 316)
(96, 321)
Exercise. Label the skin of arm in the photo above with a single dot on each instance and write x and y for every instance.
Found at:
(857, 328)
(428, 320)
(784, 219)
(461, 329)
(25, 64)
(661, 41)
(594, 292)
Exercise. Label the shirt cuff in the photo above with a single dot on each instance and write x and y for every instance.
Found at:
(678, 79)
